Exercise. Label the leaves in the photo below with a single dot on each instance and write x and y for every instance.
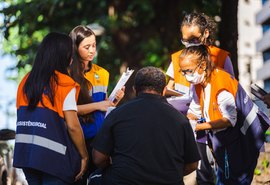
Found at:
(137, 33)
(257, 172)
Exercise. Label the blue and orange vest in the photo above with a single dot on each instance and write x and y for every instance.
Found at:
(218, 56)
(236, 149)
(42, 140)
(99, 78)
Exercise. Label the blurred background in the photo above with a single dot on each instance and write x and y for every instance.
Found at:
(130, 34)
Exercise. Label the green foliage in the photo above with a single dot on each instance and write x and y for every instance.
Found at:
(262, 167)
(265, 163)
(257, 172)
(138, 33)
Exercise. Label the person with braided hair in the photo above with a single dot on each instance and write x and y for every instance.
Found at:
(234, 125)
(198, 29)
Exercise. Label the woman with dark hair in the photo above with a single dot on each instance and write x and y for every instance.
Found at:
(234, 125)
(49, 145)
(93, 79)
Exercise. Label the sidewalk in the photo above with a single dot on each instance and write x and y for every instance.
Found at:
(264, 178)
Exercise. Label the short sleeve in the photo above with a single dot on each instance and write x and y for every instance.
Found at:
(191, 154)
(227, 106)
(70, 101)
(170, 71)
(103, 141)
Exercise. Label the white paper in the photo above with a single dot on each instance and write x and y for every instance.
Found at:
(181, 103)
(122, 81)
(109, 111)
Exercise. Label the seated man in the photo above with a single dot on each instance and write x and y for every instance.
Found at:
(145, 141)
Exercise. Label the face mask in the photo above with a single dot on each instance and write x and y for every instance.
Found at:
(196, 41)
(189, 44)
(195, 78)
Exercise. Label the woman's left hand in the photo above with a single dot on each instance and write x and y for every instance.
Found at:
(119, 95)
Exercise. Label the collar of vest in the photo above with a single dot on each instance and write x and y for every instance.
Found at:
(65, 80)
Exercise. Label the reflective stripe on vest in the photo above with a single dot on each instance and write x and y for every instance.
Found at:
(236, 146)
(99, 79)
(41, 141)
(99, 88)
(249, 119)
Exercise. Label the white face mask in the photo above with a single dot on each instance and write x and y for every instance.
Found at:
(195, 78)
(190, 44)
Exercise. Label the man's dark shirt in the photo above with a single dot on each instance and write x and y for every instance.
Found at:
(149, 142)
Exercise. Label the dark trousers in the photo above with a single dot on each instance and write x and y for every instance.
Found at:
(96, 178)
(91, 167)
(205, 173)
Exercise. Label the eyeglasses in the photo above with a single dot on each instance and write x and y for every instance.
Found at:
(189, 71)
(195, 41)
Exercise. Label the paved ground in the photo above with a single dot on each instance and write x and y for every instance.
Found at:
(264, 178)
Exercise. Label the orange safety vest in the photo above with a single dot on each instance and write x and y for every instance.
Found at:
(42, 140)
(218, 84)
(65, 84)
(237, 148)
(218, 56)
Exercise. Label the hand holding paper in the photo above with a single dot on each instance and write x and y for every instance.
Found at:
(261, 94)
(120, 84)
(104, 105)
(119, 95)
(257, 91)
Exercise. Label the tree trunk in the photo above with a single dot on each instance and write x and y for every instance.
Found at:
(228, 30)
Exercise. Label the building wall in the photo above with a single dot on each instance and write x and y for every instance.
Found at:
(263, 44)
(249, 59)
(262, 18)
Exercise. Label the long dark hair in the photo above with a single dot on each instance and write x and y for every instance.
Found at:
(203, 22)
(78, 34)
(54, 53)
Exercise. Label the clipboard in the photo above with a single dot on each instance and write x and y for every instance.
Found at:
(257, 91)
(180, 103)
(171, 92)
(121, 82)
